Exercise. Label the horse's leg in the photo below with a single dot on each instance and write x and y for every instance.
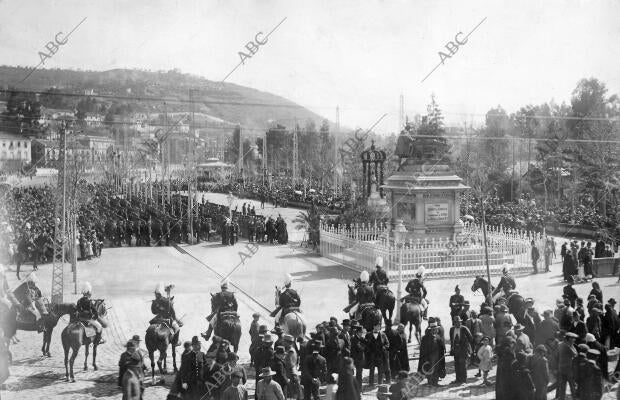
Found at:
(74, 352)
(410, 329)
(95, 355)
(152, 358)
(165, 361)
(174, 359)
(66, 349)
(87, 351)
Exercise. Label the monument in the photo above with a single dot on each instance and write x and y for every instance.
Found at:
(425, 192)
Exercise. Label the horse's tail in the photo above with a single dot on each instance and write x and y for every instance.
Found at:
(410, 313)
(230, 329)
(73, 335)
(386, 300)
(294, 324)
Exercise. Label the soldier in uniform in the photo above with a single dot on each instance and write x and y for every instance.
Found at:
(132, 359)
(222, 302)
(287, 300)
(163, 309)
(364, 295)
(87, 312)
(456, 302)
(379, 279)
(191, 373)
(417, 291)
(506, 283)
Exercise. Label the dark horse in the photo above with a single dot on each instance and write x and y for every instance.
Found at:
(11, 323)
(515, 302)
(370, 316)
(158, 336)
(385, 302)
(228, 326)
(76, 334)
(411, 313)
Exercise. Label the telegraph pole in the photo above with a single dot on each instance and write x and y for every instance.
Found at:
(61, 220)
(295, 155)
(336, 134)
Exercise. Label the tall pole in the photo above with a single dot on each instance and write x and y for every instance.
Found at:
(61, 221)
(336, 134)
(486, 250)
(295, 155)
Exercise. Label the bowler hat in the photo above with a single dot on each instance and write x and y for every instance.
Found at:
(135, 338)
(195, 340)
(265, 372)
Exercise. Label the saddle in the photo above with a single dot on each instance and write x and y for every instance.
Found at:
(89, 330)
(383, 288)
(229, 314)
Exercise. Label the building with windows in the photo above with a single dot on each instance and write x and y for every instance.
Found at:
(14, 147)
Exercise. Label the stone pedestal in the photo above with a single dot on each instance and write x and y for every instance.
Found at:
(427, 197)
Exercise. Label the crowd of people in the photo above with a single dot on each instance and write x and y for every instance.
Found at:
(107, 219)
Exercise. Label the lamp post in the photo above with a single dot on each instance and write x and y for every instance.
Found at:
(230, 198)
(400, 234)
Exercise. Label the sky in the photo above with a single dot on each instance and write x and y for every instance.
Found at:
(357, 55)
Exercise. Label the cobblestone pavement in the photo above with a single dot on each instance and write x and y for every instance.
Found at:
(126, 279)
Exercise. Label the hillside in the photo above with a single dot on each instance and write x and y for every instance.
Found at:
(226, 101)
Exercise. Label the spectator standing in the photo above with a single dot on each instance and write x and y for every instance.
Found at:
(535, 256)
(460, 348)
(485, 355)
(539, 367)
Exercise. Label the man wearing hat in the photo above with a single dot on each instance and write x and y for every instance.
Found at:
(212, 374)
(358, 350)
(566, 354)
(345, 335)
(578, 327)
(87, 312)
(364, 296)
(191, 371)
(531, 319)
(277, 365)
(503, 323)
(333, 350)
(456, 302)
(254, 326)
(378, 277)
(288, 300)
(264, 353)
(432, 355)
(524, 343)
(592, 377)
(223, 301)
(506, 283)
(236, 391)
(163, 307)
(277, 330)
(539, 367)
(460, 348)
(594, 323)
(267, 388)
(417, 291)
(569, 292)
(546, 329)
(132, 360)
(398, 389)
(314, 372)
(601, 361)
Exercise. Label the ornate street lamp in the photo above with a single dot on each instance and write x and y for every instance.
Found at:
(400, 235)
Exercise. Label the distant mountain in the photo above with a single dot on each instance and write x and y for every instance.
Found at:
(223, 104)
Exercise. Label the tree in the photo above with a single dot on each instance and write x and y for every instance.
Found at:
(22, 115)
(232, 149)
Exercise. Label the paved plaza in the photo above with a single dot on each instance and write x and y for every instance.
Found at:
(126, 278)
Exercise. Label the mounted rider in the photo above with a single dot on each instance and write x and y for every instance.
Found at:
(30, 297)
(506, 283)
(223, 301)
(288, 300)
(163, 308)
(379, 279)
(417, 291)
(364, 296)
(87, 313)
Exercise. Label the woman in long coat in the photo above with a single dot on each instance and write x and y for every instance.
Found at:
(569, 268)
(504, 382)
(432, 356)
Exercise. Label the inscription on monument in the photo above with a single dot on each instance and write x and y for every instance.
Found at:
(436, 213)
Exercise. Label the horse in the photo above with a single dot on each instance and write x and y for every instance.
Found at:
(76, 334)
(158, 336)
(228, 326)
(369, 317)
(411, 312)
(385, 302)
(515, 302)
(292, 322)
(11, 323)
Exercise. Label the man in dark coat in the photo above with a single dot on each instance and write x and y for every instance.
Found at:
(456, 302)
(314, 372)
(333, 350)
(539, 367)
(569, 267)
(460, 348)
(566, 354)
(546, 329)
(593, 377)
(504, 382)
(377, 355)
(569, 292)
(191, 371)
(278, 366)
(212, 375)
(432, 355)
(578, 327)
(358, 351)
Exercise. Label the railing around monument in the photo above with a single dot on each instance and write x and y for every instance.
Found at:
(359, 245)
